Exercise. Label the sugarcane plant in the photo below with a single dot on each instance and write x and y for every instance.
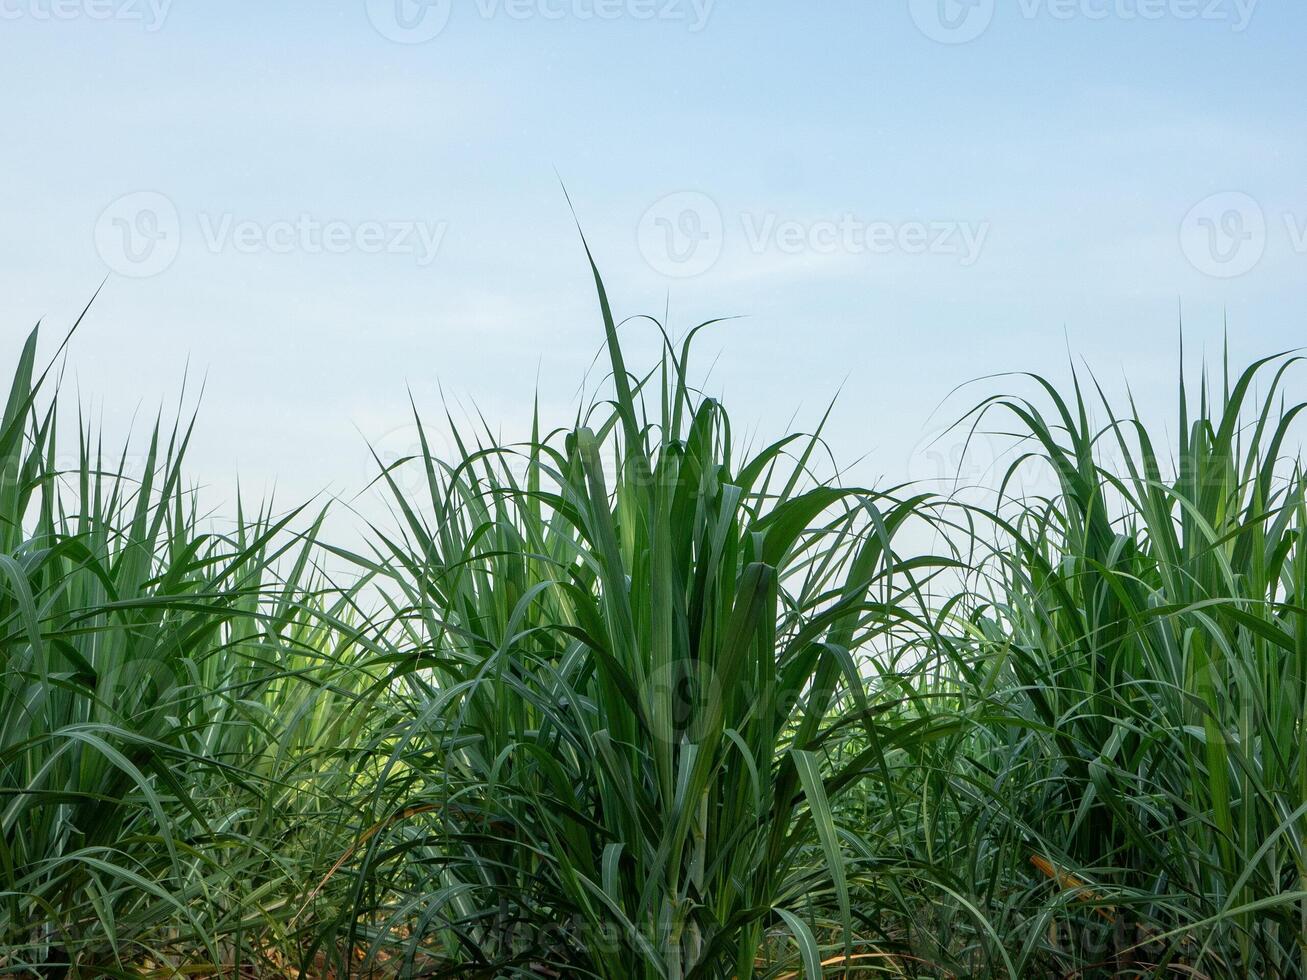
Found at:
(631, 653)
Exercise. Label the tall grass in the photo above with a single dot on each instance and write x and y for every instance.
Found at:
(632, 699)
(157, 749)
(629, 651)
(1151, 618)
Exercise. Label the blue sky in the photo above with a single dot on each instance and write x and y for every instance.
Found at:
(314, 206)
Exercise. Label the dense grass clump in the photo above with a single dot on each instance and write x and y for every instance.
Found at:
(631, 699)
(1151, 620)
